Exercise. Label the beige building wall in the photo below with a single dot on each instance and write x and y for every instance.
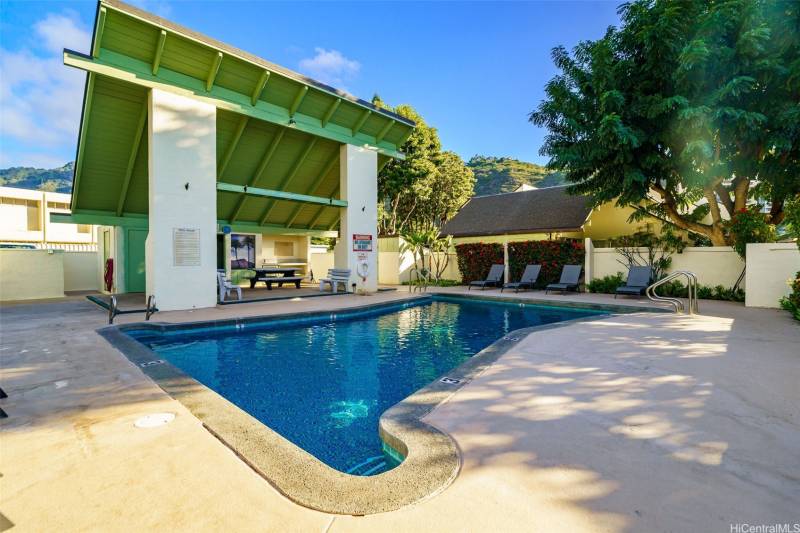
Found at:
(609, 221)
(25, 218)
(770, 267)
(80, 271)
(31, 274)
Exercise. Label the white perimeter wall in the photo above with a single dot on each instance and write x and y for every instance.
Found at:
(31, 274)
(769, 269)
(80, 271)
(718, 265)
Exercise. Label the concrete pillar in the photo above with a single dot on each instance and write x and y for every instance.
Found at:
(180, 252)
(588, 267)
(506, 265)
(227, 254)
(358, 184)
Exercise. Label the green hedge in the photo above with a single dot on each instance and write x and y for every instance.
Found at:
(609, 284)
(475, 259)
(792, 302)
(552, 255)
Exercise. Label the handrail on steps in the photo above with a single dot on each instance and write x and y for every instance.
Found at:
(691, 284)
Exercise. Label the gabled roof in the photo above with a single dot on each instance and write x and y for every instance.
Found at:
(278, 132)
(535, 211)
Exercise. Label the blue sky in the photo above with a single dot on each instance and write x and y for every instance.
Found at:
(473, 70)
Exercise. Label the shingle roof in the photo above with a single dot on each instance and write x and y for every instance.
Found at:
(539, 210)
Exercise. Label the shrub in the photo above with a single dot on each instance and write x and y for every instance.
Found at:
(552, 255)
(606, 285)
(792, 302)
(792, 218)
(475, 259)
(749, 225)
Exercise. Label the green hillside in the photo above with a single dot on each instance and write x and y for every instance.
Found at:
(54, 179)
(494, 175)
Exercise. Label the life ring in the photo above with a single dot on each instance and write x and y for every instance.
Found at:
(362, 270)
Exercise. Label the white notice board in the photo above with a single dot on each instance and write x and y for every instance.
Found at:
(186, 246)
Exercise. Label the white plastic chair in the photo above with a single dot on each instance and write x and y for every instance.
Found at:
(226, 286)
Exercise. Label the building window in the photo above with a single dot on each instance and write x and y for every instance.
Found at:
(33, 215)
(84, 228)
(284, 249)
(58, 205)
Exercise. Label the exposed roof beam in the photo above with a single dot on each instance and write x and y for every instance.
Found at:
(290, 176)
(260, 170)
(335, 221)
(314, 186)
(87, 106)
(137, 141)
(98, 36)
(279, 195)
(329, 113)
(107, 218)
(137, 72)
(262, 82)
(212, 74)
(361, 122)
(298, 99)
(384, 131)
(318, 214)
(223, 163)
(162, 40)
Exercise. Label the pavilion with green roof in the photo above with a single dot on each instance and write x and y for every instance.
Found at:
(183, 137)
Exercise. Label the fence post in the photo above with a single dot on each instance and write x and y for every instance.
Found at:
(506, 266)
(588, 267)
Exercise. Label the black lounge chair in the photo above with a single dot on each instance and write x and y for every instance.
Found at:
(494, 279)
(637, 282)
(527, 280)
(570, 279)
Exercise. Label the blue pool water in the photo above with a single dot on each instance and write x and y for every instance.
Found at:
(323, 384)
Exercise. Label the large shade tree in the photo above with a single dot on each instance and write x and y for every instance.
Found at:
(685, 112)
(426, 188)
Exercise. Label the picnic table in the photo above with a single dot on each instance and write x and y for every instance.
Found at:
(279, 275)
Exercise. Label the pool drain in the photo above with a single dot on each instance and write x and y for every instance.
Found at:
(152, 363)
(155, 420)
(450, 381)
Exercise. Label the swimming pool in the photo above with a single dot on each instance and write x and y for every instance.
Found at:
(323, 382)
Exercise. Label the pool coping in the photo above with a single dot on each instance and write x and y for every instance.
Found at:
(432, 460)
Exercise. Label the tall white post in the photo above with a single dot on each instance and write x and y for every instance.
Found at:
(506, 265)
(180, 252)
(358, 185)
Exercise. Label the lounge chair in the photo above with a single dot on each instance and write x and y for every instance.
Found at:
(637, 282)
(494, 279)
(335, 277)
(226, 286)
(570, 279)
(528, 279)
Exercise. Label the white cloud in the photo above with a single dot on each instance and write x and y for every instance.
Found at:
(330, 66)
(40, 98)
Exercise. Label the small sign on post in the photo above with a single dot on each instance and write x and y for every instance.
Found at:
(362, 243)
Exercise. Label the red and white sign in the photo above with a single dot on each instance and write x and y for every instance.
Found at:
(362, 243)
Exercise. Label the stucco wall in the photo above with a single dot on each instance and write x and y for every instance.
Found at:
(319, 263)
(80, 271)
(718, 265)
(31, 274)
(609, 221)
(769, 267)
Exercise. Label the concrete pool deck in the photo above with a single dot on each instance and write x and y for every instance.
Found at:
(637, 422)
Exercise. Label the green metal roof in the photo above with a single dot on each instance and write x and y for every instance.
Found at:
(278, 132)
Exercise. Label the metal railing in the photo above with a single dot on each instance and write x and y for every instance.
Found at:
(691, 284)
(112, 309)
(151, 307)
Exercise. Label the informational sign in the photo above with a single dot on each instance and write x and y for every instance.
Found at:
(362, 243)
(186, 246)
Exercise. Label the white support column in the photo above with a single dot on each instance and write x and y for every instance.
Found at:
(358, 184)
(506, 265)
(181, 243)
(588, 268)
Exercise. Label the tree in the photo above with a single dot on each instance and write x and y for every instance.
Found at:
(425, 189)
(685, 112)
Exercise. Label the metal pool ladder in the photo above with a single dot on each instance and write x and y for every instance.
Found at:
(691, 284)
